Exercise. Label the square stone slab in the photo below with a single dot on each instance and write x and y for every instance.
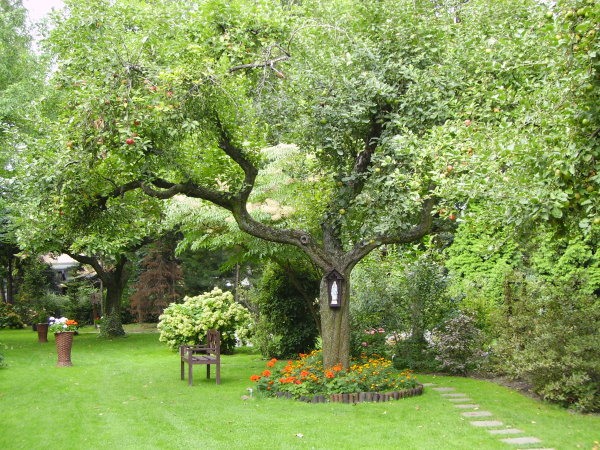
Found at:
(444, 389)
(521, 440)
(454, 395)
(466, 406)
(460, 399)
(506, 431)
(476, 414)
(486, 423)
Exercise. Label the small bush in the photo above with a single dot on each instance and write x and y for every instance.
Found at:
(369, 343)
(9, 317)
(77, 304)
(549, 337)
(188, 322)
(285, 325)
(414, 355)
(457, 345)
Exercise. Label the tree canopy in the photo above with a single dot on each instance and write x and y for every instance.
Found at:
(403, 112)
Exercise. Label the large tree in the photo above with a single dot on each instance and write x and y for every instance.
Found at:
(20, 77)
(402, 112)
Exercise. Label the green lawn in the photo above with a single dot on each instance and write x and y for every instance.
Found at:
(126, 393)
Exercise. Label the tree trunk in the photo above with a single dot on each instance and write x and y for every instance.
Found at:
(335, 325)
(10, 298)
(112, 325)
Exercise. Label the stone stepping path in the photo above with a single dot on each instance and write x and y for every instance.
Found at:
(486, 423)
(522, 440)
(477, 414)
(462, 401)
(506, 431)
(466, 406)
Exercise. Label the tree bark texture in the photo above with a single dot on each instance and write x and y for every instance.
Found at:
(335, 326)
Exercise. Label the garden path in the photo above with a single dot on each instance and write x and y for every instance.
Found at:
(485, 419)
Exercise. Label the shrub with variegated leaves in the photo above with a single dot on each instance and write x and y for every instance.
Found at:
(188, 322)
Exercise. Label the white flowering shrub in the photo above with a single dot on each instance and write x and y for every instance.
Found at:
(187, 322)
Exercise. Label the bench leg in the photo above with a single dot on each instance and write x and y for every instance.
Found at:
(208, 371)
(190, 373)
(218, 373)
(182, 370)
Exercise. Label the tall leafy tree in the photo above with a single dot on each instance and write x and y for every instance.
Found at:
(20, 75)
(403, 111)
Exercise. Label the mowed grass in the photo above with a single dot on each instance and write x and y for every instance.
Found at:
(126, 394)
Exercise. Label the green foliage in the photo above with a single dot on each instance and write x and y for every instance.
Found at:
(479, 260)
(285, 300)
(188, 322)
(413, 354)
(19, 75)
(457, 345)
(78, 305)
(9, 318)
(404, 294)
(112, 325)
(371, 342)
(36, 299)
(549, 336)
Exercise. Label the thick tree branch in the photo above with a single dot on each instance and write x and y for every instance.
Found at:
(270, 63)
(250, 171)
(90, 261)
(331, 225)
(298, 238)
(163, 189)
(362, 249)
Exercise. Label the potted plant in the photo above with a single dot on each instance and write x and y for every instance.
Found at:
(64, 329)
(40, 321)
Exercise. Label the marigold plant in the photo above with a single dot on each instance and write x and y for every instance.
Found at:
(307, 376)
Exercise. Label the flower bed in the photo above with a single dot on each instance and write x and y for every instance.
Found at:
(367, 380)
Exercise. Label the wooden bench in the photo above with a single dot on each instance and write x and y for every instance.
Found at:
(208, 353)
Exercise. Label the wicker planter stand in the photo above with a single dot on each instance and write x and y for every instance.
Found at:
(64, 342)
(42, 331)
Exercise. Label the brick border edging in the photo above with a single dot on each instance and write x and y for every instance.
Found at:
(357, 397)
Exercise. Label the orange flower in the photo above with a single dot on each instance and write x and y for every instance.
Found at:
(304, 373)
(266, 373)
(71, 322)
(271, 363)
(255, 378)
(337, 367)
(329, 374)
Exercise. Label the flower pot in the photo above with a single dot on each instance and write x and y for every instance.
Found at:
(42, 331)
(64, 342)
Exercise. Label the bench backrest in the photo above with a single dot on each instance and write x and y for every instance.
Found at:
(213, 341)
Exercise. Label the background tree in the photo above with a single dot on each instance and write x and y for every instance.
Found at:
(20, 75)
(159, 283)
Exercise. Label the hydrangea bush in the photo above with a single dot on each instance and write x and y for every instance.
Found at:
(187, 323)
